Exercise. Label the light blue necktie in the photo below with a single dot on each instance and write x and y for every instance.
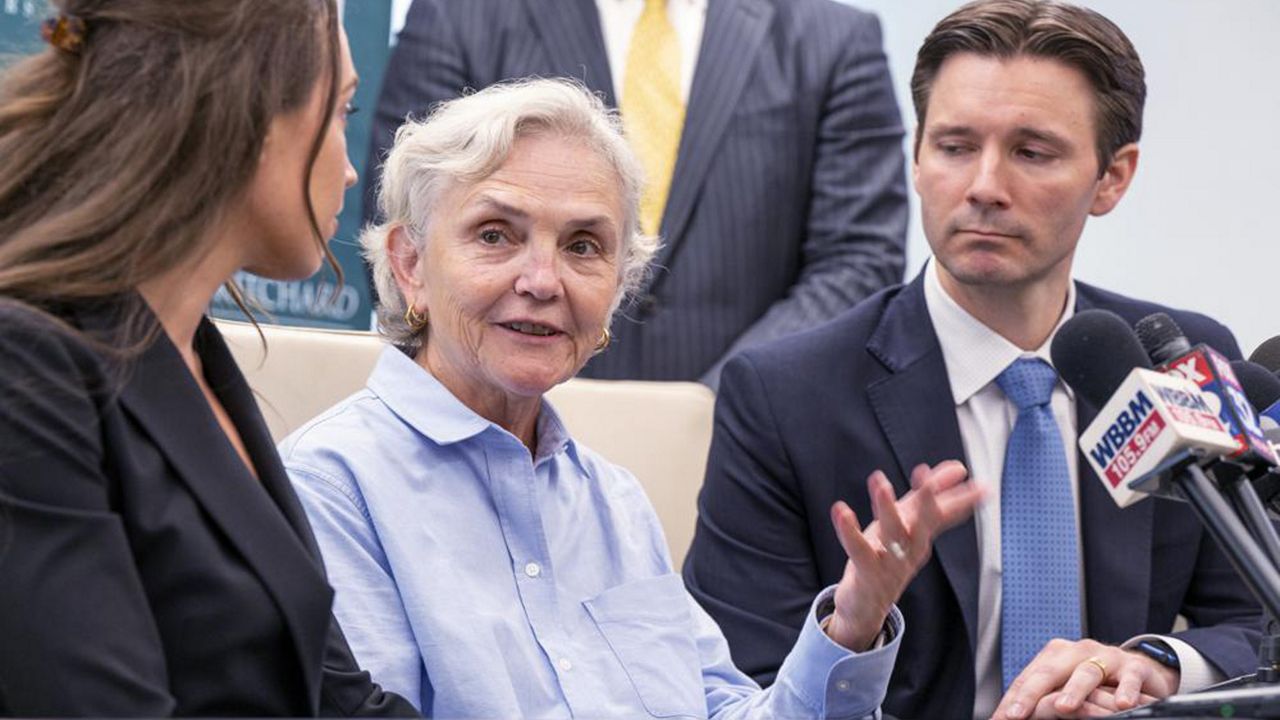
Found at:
(1041, 576)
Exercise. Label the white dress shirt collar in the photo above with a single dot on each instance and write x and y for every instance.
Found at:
(618, 20)
(974, 353)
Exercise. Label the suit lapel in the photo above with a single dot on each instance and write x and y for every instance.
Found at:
(167, 404)
(237, 399)
(570, 33)
(1116, 544)
(731, 37)
(916, 411)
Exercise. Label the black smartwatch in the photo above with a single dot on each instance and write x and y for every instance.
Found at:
(1160, 652)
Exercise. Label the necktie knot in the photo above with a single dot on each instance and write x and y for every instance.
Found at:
(1028, 382)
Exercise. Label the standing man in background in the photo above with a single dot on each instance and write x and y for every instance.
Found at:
(1029, 117)
(771, 141)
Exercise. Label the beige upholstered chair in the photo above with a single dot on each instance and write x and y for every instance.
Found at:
(658, 431)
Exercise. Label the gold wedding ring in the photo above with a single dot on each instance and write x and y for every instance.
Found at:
(1097, 662)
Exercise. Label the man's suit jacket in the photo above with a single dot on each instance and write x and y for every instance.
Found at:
(788, 203)
(801, 424)
(143, 570)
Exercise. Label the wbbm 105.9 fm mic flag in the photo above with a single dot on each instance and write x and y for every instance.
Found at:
(1145, 418)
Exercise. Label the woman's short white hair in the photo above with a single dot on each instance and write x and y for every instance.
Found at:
(466, 140)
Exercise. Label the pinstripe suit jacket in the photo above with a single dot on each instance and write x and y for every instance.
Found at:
(788, 203)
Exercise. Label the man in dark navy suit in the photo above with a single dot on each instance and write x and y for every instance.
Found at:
(1029, 117)
(770, 136)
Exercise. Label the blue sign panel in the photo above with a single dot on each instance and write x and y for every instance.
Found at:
(20, 27)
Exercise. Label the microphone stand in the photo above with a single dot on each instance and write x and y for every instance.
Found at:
(1238, 489)
(1246, 556)
(1182, 477)
(1236, 483)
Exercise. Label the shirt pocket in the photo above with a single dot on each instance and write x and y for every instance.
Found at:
(648, 626)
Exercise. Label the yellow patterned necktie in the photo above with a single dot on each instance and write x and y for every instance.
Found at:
(652, 111)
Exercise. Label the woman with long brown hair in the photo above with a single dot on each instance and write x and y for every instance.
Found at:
(153, 557)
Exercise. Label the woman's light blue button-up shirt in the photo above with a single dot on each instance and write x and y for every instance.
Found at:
(479, 582)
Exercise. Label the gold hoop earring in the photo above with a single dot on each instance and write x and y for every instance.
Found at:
(414, 319)
(605, 339)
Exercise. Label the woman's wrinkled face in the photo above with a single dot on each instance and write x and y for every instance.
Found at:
(520, 269)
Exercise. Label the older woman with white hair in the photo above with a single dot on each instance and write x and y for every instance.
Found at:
(485, 564)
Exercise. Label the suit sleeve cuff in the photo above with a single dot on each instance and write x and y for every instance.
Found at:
(836, 682)
(1196, 673)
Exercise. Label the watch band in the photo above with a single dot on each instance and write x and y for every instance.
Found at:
(1158, 651)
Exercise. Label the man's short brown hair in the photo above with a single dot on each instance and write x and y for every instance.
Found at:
(1075, 36)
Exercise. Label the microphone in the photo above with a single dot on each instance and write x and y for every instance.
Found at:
(1254, 456)
(1146, 418)
(1093, 353)
(1268, 354)
(1174, 469)
(1262, 390)
(1157, 429)
(1167, 346)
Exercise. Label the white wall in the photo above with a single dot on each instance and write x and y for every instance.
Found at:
(1197, 228)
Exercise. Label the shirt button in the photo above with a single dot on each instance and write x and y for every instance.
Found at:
(842, 685)
(533, 570)
(564, 664)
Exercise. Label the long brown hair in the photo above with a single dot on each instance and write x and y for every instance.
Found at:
(118, 158)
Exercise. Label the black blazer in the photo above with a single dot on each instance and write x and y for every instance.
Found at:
(143, 570)
(801, 424)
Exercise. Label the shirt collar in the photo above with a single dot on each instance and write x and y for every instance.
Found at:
(975, 354)
(422, 401)
(553, 436)
(426, 405)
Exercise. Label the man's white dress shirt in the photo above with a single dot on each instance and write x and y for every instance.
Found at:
(975, 355)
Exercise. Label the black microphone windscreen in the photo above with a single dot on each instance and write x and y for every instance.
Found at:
(1094, 352)
(1268, 354)
(1261, 387)
(1161, 337)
